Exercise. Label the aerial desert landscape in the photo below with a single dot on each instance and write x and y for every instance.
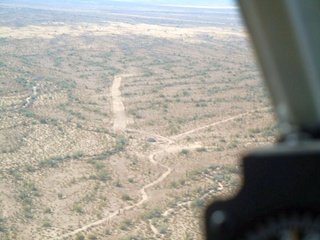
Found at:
(123, 120)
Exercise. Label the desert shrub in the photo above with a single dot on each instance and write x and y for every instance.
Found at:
(3, 227)
(47, 210)
(163, 229)
(197, 203)
(125, 197)
(78, 209)
(174, 184)
(182, 181)
(46, 224)
(80, 237)
(77, 155)
(201, 149)
(120, 143)
(152, 213)
(184, 152)
(103, 175)
(118, 184)
(130, 180)
(107, 232)
(133, 237)
(30, 169)
(99, 165)
(125, 224)
(27, 212)
(43, 121)
(92, 237)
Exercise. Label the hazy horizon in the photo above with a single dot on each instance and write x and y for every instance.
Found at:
(212, 3)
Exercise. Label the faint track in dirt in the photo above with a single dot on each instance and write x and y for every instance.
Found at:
(153, 228)
(182, 135)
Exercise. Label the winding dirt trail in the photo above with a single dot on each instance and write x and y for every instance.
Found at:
(34, 93)
(144, 198)
(120, 124)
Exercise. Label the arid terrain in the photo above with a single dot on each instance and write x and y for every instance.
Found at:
(122, 121)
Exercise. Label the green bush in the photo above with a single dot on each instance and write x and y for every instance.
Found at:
(133, 237)
(125, 197)
(201, 149)
(125, 224)
(184, 152)
(182, 181)
(107, 232)
(92, 237)
(174, 184)
(99, 165)
(47, 210)
(43, 121)
(103, 175)
(3, 227)
(120, 143)
(163, 229)
(118, 184)
(80, 237)
(78, 209)
(46, 224)
(197, 203)
(152, 213)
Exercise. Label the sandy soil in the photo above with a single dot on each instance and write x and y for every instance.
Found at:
(120, 123)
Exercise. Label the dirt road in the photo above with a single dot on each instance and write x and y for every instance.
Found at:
(120, 118)
(182, 135)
